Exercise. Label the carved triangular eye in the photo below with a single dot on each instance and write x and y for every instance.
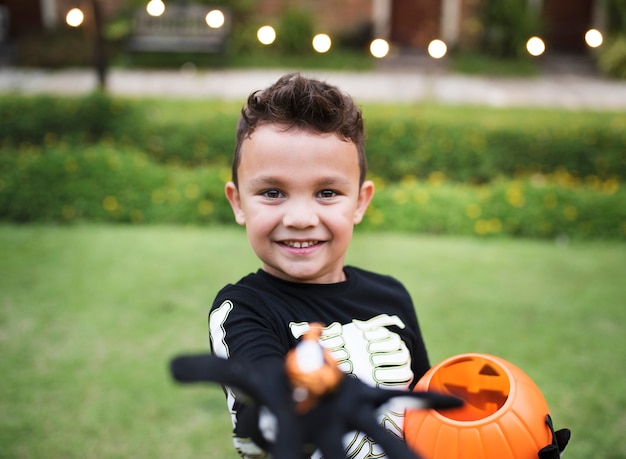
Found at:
(488, 370)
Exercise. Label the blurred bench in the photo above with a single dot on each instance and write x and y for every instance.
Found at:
(181, 28)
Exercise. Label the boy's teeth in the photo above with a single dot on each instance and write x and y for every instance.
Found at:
(300, 245)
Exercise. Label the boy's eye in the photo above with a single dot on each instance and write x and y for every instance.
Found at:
(272, 194)
(327, 194)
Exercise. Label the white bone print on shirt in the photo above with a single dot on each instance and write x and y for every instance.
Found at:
(378, 357)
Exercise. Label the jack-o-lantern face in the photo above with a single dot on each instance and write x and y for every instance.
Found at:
(503, 416)
(480, 382)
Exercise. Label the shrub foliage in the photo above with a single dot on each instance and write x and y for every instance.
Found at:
(438, 170)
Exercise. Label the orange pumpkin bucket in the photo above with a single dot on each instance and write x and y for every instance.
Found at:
(504, 415)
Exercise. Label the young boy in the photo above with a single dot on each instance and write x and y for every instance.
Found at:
(299, 187)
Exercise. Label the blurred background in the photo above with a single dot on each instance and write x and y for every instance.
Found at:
(496, 137)
(478, 35)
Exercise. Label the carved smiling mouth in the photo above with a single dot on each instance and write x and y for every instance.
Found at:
(300, 244)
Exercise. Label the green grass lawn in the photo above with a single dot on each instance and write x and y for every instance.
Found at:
(90, 315)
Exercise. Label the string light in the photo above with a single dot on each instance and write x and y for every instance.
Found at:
(215, 19)
(594, 38)
(535, 46)
(321, 43)
(266, 35)
(379, 48)
(437, 49)
(74, 17)
(155, 8)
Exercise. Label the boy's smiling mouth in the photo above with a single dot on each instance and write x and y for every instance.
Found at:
(300, 244)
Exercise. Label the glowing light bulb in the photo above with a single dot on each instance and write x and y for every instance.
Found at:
(266, 35)
(155, 7)
(74, 17)
(437, 49)
(321, 43)
(379, 48)
(535, 46)
(215, 19)
(594, 38)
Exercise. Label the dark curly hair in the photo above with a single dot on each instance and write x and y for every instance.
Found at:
(298, 102)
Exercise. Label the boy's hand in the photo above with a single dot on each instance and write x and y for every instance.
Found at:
(308, 403)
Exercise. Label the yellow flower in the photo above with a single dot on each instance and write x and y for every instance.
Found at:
(192, 191)
(494, 225)
(408, 180)
(205, 207)
(473, 211)
(570, 213)
(375, 216)
(483, 193)
(114, 162)
(110, 203)
(225, 174)
(173, 195)
(400, 197)
(481, 227)
(515, 197)
(379, 184)
(549, 201)
(158, 197)
(436, 178)
(477, 141)
(610, 186)
(420, 196)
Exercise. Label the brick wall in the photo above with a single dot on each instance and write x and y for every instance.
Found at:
(330, 15)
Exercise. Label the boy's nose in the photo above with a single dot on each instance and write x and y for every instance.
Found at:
(300, 215)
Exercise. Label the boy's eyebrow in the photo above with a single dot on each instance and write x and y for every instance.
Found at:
(327, 181)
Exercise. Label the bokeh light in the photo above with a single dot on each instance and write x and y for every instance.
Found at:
(215, 19)
(321, 43)
(594, 38)
(74, 17)
(155, 7)
(379, 48)
(266, 35)
(437, 49)
(535, 46)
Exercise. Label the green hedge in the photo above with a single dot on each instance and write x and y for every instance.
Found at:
(477, 148)
(102, 183)
(439, 170)
(47, 119)
(537, 207)
(469, 145)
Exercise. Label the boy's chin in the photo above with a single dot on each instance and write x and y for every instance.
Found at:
(307, 276)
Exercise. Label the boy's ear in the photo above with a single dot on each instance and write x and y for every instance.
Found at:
(365, 197)
(232, 194)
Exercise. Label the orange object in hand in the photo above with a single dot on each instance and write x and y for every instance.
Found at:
(311, 370)
(503, 417)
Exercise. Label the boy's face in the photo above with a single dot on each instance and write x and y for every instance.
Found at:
(299, 199)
